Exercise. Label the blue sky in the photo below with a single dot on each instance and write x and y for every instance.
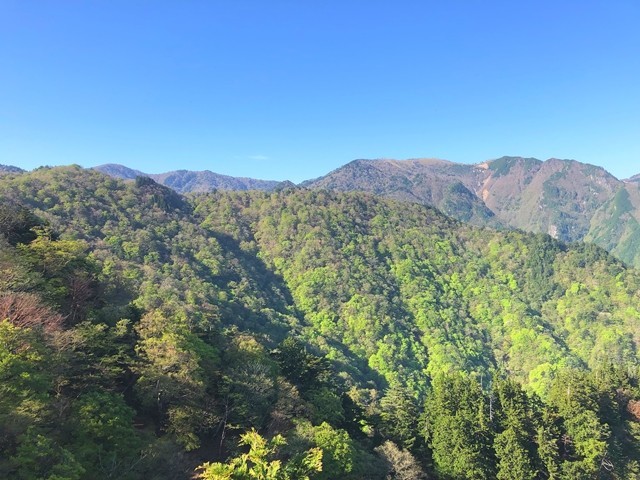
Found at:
(293, 89)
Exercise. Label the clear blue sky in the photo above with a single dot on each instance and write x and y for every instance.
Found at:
(292, 89)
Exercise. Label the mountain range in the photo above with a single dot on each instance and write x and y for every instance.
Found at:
(147, 334)
(569, 200)
(188, 181)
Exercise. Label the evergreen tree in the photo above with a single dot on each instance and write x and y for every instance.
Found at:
(458, 429)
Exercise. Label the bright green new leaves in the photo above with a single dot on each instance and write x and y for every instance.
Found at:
(175, 376)
(259, 463)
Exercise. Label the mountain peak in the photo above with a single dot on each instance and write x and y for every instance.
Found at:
(119, 171)
(10, 169)
(634, 179)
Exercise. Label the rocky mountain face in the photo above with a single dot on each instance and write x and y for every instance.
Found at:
(569, 200)
(187, 181)
(558, 197)
(445, 185)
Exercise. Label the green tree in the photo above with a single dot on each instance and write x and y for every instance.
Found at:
(174, 381)
(399, 415)
(104, 439)
(17, 223)
(458, 428)
(513, 444)
(305, 370)
(585, 444)
(259, 463)
(40, 457)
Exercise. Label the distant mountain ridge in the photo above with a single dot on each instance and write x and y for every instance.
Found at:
(569, 200)
(119, 171)
(635, 178)
(188, 181)
(442, 184)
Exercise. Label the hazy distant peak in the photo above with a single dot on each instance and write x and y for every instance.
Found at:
(187, 181)
(515, 159)
(634, 179)
(10, 169)
(119, 171)
(403, 162)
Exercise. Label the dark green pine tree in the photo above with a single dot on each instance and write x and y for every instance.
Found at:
(399, 415)
(548, 436)
(458, 429)
(585, 444)
(514, 441)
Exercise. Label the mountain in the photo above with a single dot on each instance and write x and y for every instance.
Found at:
(566, 199)
(144, 333)
(558, 197)
(184, 181)
(616, 224)
(119, 171)
(635, 178)
(10, 169)
(438, 183)
(187, 181)
(569, 200)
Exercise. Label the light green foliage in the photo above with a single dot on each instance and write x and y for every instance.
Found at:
(174, 376)
(61, 264)
(339, 455)
(259, 463)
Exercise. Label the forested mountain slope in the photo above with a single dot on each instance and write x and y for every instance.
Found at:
(445, 185)
(569, 200)
(566, 199)
(387, 280)
(144, 332)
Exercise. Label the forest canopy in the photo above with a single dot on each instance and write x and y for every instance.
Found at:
(302, 334)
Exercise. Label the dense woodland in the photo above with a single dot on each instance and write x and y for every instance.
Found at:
(302, 334)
